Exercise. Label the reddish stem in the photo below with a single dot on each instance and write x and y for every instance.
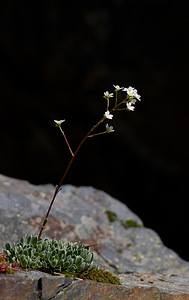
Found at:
(69, 165)
(63, 177)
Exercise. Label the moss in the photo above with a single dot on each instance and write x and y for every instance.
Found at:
(129, 223)
(112, 217)
(100, 275)
(119, 251)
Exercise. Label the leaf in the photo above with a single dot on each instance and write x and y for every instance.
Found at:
(29, 239)
(34, 240)
(23, 262)
(71, 269)
(39, 248)
(66, 265)
(7, 246)
(89, 257)
(78, 260)
(53, 263)
(81, 267)
(84, 253)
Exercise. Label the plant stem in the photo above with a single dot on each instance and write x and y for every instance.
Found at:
(97, 134)
(57, 189)
(108, 102)
(65, 173)
(116, 99)
(66, 140)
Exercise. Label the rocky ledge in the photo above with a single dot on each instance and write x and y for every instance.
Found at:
(36, 285)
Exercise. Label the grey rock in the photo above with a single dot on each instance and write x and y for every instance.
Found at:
(80, 214)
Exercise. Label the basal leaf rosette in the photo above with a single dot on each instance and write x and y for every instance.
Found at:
(50, 255)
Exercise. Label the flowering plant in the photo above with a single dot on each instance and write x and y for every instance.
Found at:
(127, 103)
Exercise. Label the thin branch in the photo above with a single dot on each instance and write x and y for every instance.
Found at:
(66, 140)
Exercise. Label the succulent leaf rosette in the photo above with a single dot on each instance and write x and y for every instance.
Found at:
(50, 255)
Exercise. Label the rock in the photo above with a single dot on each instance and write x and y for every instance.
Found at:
(90, 216)
(37, 285)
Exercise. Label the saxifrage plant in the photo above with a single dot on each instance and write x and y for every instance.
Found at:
(56, 256)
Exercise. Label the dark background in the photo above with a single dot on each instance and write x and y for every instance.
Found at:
(56, 60)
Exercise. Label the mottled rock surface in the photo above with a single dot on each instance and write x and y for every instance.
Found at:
(80, 214)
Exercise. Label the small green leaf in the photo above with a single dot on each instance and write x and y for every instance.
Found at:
(29, 239)
(89, 257)
(84, 253)
(71, 269)
(25, 252)
(61, 262)
(33, 265)
(81, 267)
(34, 240)
(39, 248)
(45, 245)
(7, 252)
(7, 246)
(66, 265)
(53, 263)
(56, 257)
(53, 253)
(23, 240)
(36, 254)
(78, 260)
(23, 262)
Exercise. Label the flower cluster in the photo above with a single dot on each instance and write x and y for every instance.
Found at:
(131, 92)
(131, 98)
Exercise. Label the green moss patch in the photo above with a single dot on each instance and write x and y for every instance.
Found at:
(100, 275)
(129, 223)
(112, 217)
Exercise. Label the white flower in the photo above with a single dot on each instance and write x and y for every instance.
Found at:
(107, 95)
(132, 92)
(133, 101)
(136, 95)
(58, 123)
(117, 88)
(108, 115)
(109, 128)
(129, 106)
(129, 90)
